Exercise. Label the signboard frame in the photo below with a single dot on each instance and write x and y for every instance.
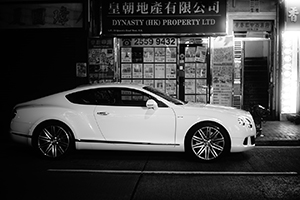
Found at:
(163, 17)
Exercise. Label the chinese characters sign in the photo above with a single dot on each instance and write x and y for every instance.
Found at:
(145, 16)
(255, 25)
(292, 15)
(59, 15)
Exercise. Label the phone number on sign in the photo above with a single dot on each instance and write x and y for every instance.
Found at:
(152, 42)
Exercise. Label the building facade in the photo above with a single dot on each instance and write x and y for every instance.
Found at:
(230, 52)
(223, 52)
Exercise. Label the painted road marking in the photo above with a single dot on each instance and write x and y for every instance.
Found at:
(277, 147)
(169, 172)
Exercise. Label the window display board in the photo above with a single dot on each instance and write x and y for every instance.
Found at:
(101, 60)
(222, 70)
(151, 61)
(193, 59)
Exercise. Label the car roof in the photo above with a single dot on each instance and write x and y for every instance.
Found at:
(111, 84)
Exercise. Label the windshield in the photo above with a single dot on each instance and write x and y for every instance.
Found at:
(163, 95)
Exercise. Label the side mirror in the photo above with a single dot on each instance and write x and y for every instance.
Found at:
(151, 104)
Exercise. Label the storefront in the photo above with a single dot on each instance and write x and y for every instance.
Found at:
(290, 59)
(179, 47)
(219, 52)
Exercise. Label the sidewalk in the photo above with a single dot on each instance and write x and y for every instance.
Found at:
(279, 133)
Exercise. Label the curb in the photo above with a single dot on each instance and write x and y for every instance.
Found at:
(278, 143)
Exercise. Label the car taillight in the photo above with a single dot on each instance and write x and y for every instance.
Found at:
(13, 113)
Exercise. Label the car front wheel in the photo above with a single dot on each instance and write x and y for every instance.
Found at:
(207, 142)
(53, 139)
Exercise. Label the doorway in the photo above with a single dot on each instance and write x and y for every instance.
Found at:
(254, 58)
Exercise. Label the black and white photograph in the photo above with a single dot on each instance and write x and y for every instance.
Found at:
(151, 100)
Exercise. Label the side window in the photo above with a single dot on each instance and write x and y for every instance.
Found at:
(112, 97)
(130, 97)
(104, 96)
(101, 96)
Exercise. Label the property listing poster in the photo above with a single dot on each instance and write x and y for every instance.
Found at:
(200, 55)
(201, 70)
(126, 70)
(126, 55)
(190, 86)
(171, 71)
(160, 70)
(160, 85)
(171, 87)
(171, 54)
(101, 65)
(160, 54)
(222, 70)
(137, 70)
(190, 53)
(190, 70)
(148, 70)
(148, 54)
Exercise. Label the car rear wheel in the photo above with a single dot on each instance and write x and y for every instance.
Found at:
(53, 139)
(207, 142)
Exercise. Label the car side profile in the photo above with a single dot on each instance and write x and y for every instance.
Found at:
(118, 116)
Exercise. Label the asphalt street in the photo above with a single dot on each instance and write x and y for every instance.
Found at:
(263, 173)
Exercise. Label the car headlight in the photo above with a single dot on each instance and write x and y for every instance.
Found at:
(244, 121)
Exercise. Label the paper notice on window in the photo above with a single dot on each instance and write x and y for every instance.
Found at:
(200, 54)
(148, 70)
(159, 70)
(190, 53)
(137, 70)
(126, 70)
(190, 70)
(160, 85)
(126, 55)
(148, 54)
(171, 87)
(160, 54)
(171, 54)
(171, 70)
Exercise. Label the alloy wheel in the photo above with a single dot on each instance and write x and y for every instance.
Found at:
(208, 143)
(53, 141)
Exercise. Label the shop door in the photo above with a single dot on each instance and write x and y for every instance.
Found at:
(193, 69)
(255, 72)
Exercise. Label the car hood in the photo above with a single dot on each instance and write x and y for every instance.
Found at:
(216, 108)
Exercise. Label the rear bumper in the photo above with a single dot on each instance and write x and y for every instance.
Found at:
(21, 138)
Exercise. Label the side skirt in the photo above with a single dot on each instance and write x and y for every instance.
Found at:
(124, 142)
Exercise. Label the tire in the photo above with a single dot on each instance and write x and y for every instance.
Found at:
(207, 142)
(53, 139)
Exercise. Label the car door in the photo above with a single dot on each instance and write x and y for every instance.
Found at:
(128, 119)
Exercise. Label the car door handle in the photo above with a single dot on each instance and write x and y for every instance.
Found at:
(102, 113)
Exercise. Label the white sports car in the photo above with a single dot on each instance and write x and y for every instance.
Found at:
(119, 116)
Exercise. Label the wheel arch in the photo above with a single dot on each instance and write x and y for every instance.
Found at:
(207, 122)
(46, 121)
